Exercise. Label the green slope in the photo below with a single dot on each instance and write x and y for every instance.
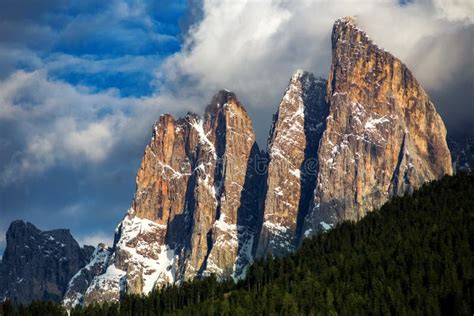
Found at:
(414, 256)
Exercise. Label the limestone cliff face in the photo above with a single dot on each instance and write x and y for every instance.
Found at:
(165, 171)
(383, 136)
(148, 240)
(195, 208)
(165, 183)
(292, 169)
(225, 199)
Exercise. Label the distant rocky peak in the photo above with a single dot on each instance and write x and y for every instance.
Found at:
(37, 265)
(462, 153)
(21, 224)
(22, 232)
(19, 228)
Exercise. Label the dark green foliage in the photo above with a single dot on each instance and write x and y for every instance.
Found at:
(414, 256)
(34, 309)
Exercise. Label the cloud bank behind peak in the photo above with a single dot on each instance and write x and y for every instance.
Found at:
(252, 47)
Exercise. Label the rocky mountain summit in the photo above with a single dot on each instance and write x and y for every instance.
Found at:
(383, 136)
(208, 201)
(292, 167)
(37, 265)
(195, 210)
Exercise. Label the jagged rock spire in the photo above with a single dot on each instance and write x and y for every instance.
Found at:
(292, 148)
(383, 135)
(195, 208)
(224, 197)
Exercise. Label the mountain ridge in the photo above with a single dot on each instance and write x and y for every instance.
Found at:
(208, 201)
(37, 265)
(368, 134)
(414, 255)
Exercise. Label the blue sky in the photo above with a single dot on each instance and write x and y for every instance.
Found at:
(100, 44)
(81, 83)
(104, 52)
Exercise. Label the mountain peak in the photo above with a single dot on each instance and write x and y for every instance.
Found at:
(347, 20)
(165, 117)
(292, 144)
(383, 132)
(346, 33)
(21, 227)
(221, 100)
(19, 223)
(298, 74)
(223, 96)
(43, 262)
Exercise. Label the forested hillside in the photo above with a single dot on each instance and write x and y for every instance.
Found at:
(415, 255)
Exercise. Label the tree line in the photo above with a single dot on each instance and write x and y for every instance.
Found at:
(413, 256)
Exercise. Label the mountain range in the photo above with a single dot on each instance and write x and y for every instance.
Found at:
(209, 201)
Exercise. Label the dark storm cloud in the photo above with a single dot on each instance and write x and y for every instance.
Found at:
(36, 24)
(89, 201)
(455, 103)
(448, 73)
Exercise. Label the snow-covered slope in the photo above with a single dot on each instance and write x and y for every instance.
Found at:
(138, 262)
(81, 281)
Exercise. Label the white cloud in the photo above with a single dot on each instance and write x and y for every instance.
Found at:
(252, 47)
(455, 10)
(61, 124)
(93, 65)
